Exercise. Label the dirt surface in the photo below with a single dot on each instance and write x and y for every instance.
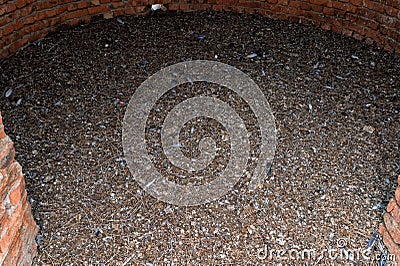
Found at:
(336, 105)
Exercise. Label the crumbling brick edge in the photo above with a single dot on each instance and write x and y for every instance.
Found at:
(18, 229)
(390, 228)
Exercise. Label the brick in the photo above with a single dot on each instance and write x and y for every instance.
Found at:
(356, 2)
(108, 15)
(395, 213)
(202, 6)
(118, 5)
(329, 11)
(187, 7)
(5, 20)
(319, 2)
(294, 19)
(62, 9)
(369, 41)
(292, 11)
(317, 8)
(41, 5)
(326, 26)
(72, 7)
(373, 25)
(214, 7)
(392, 226)
(305, 6)
(132, 11)
(17, 191)
(393, 34)
(249, 4)
(373, 5)
(14, 171)
(82, 5)
(98, 9)
(347, 32)
(18, 44)
(4, 53)
(344, 7)
(20, 3)
(10, 7)
(295, 4)
(9, 28)
(357, 36)
(250, 10)
(391, 11)
(394, 3)
(391, 205)
(283, 2)
(119, 12)
(388, 241)
(29, 230)
(42, 33)
(397, 195)
(7, 152)
(76, 14)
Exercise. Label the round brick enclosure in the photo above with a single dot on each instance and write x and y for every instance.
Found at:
(374, 21)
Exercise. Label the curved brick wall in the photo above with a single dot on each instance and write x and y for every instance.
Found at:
(375, 21)
(23, 21)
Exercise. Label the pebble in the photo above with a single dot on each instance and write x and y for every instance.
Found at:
(253, 55)
(369, 129)
(8, 93)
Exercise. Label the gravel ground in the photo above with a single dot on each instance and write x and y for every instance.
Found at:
(336, 104)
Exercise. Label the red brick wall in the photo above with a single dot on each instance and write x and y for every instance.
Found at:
(375, 21)
(23, 21)
(390, 228)
(17, 227)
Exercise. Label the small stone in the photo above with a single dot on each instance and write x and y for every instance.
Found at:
(8, 93)
(369, 129)
(253, 55)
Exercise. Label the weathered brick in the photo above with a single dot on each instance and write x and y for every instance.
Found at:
(7, 152)
(283, 2)
(9, 7)
(374, 5)
(319, 2)
(317, 8)
(388, 241)
(76, 14)
(98, 9)
(391, 205)
(397, 195)
(108, 15)
(17, 191)
(20, 3)
(356, 2)
(392, 226)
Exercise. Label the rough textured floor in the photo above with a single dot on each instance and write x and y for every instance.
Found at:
(336, 104)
